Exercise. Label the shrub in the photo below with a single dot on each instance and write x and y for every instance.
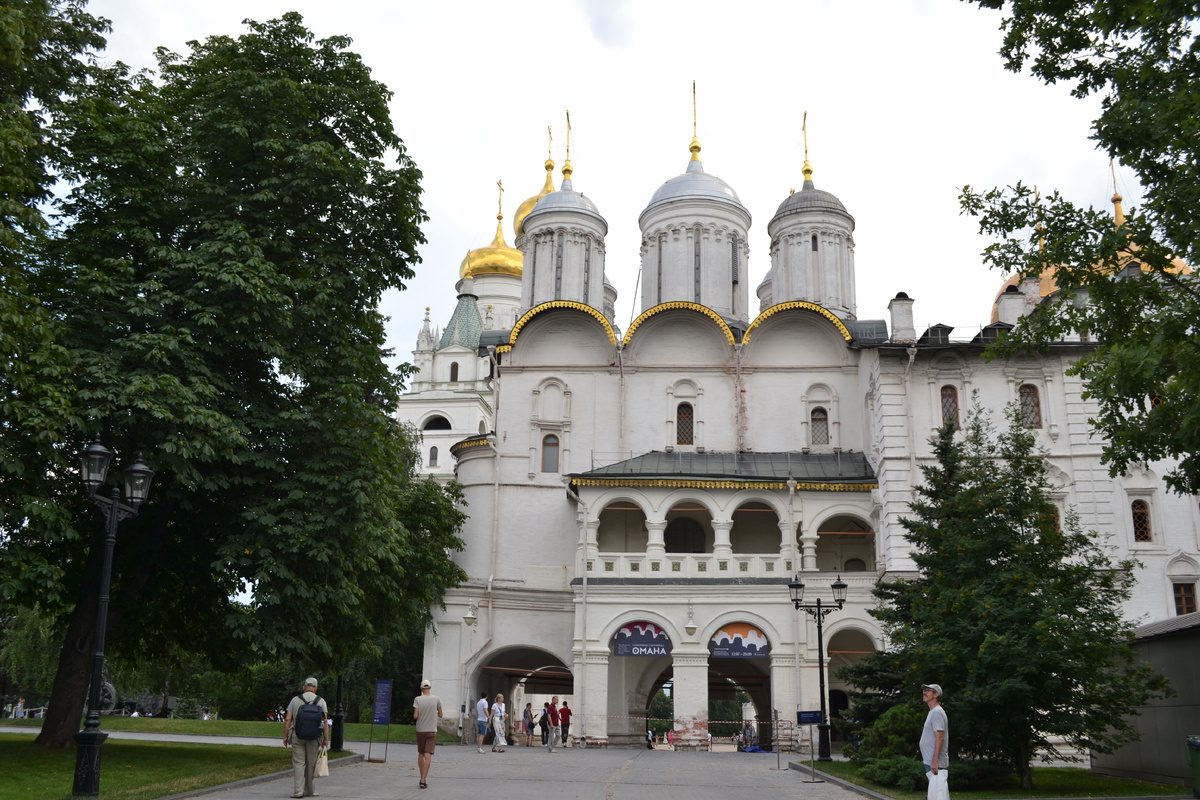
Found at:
(896, 734)
(977, 774)
(898, 772)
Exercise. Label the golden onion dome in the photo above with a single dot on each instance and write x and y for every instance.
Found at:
(495, 259)
(524, 209)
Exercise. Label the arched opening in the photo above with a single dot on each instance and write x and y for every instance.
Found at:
(845, 544)
(755, 529)
(436, 424)
(433, 454)
(523, 675)
(739, 667)
(845, 647)
(453, 371)
(689, 529)
(950, 406)
(550, 453)
(819, 428)
(685, 424)
(622, 528)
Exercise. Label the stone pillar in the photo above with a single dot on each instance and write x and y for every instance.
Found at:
(691, 699)
(592, 543)
(787, 542)
(591, 721)
(808, 549)
(654, 541)
(721, 546)
(784, 697)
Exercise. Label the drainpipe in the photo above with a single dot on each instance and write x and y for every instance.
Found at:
(791, 484)
(620, 410)
(739, 399)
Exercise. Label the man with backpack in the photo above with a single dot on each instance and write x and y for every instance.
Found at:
(305, 729)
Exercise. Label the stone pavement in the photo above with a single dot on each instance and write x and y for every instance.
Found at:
(460, 773)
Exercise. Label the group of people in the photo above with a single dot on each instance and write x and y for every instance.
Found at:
(554, 722)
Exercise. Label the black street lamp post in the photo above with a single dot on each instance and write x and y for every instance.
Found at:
(337, 741)
(818, 612)
(95, 461)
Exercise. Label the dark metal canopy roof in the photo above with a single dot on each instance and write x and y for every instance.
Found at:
(849, 471)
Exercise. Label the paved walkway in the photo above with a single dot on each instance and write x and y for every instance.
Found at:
(460, 773)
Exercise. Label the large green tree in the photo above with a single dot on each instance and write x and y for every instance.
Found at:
(213, 278)
(1143, 60)
(1014, 611)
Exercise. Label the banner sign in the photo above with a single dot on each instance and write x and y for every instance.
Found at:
(641, 639)
(739, 640)
(383, 702)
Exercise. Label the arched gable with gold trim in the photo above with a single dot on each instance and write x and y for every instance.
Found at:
(796, 304)
(673, 334)
(550, 306)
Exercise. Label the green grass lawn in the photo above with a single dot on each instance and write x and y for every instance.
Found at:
(1047, 782)
(132, 770)
(355, 732)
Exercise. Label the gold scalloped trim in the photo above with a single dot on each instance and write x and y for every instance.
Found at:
(458, 447)
(802, 304)
(676, 304)
(665, 483)
(516, 329)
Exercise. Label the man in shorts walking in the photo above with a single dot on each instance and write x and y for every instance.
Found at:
(427, 709)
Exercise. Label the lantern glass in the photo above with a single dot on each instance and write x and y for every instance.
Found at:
(94, 465)
(839, 590)
(137, 482)
(796, 589)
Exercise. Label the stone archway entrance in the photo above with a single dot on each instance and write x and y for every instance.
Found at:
(740, 660)
(523, 675)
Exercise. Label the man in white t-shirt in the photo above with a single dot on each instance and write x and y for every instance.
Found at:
(935, 743)
(481, 720)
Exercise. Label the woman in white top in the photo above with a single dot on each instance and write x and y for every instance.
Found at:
(498, 716)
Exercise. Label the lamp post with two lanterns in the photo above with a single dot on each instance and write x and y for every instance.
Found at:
(818, 612)
(95, 462)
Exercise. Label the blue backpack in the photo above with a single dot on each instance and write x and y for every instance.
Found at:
(310, 721)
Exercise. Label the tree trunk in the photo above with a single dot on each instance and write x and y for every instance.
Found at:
(1024, 770)
(70, 690)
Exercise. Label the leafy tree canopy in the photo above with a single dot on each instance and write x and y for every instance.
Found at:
(1144, 374)
(1014, 611)
(212, 279)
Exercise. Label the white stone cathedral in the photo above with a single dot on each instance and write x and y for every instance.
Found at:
(638, 502)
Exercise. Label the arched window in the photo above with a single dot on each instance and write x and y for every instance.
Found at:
(550, 453)
(1031, 407)
(820, 426)
(1141, 521)
(855, 565)
(814, 243)
(685, 424)
(433, 456)
(950, 406)
(453, 371)
(683, 535)
(436, 424)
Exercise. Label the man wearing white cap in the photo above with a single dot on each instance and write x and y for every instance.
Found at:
(935, 743)
(305, 730)
(427, 709)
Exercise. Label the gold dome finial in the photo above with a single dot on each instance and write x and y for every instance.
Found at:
(499, 240)
(695, 146)
(808, 170)
(567, 170)
(527, 206)
(1118, 213)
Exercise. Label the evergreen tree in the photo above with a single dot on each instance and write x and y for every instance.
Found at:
(1015, 610)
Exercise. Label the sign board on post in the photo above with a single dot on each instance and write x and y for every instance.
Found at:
(810, 718)
(381, 715)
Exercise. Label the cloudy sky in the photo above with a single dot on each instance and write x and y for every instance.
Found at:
(907, 102)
